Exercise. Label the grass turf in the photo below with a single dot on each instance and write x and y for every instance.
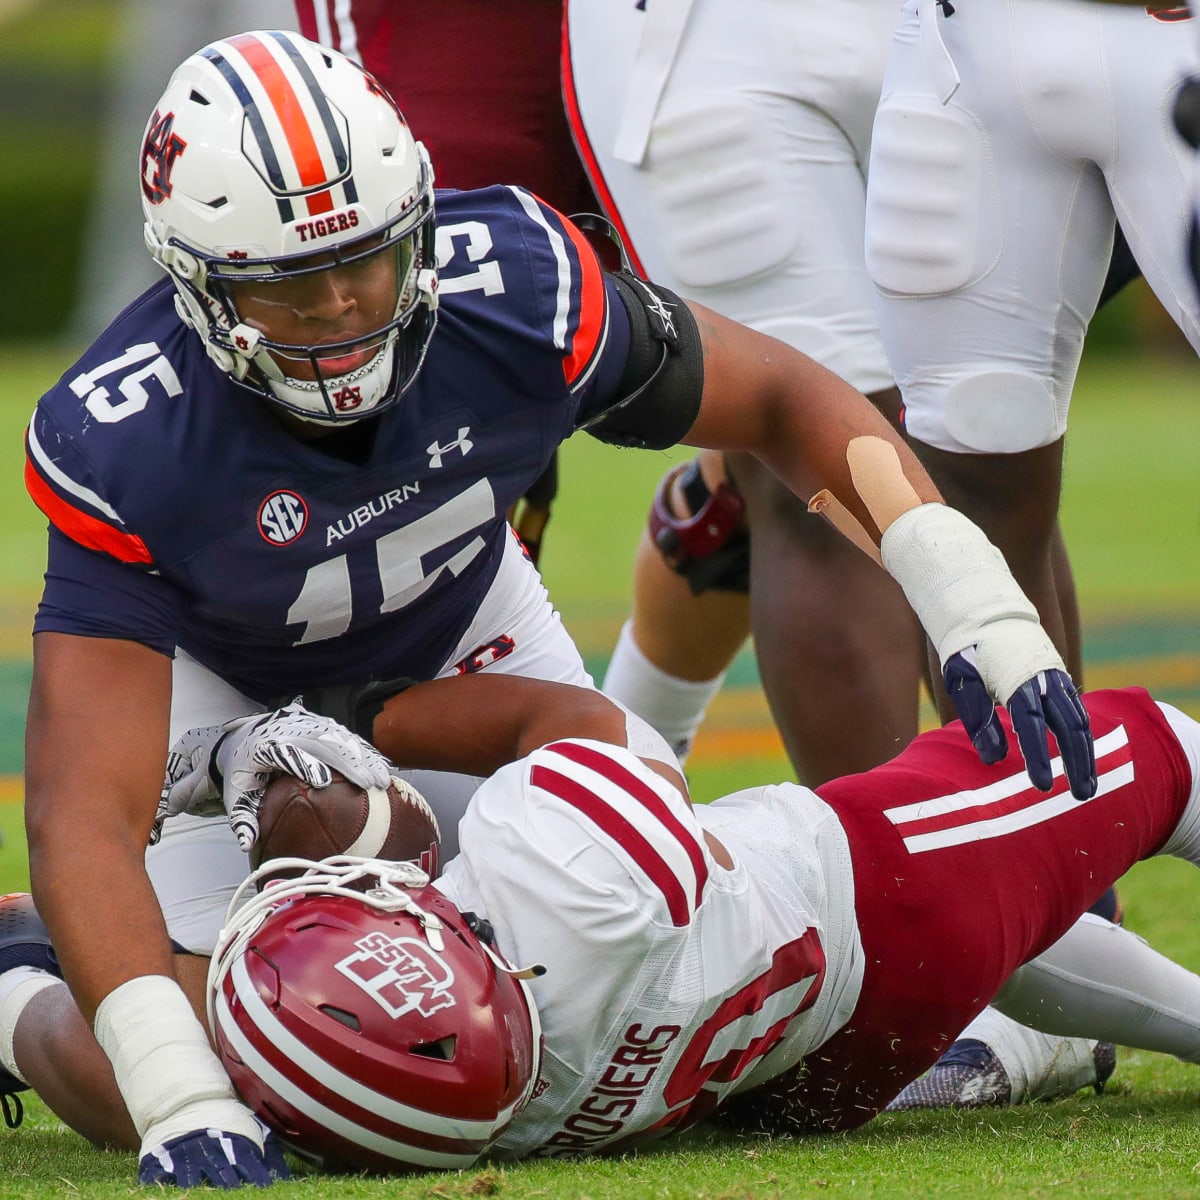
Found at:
(1132, 515)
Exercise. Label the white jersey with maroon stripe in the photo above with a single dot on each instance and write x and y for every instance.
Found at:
(671, 981)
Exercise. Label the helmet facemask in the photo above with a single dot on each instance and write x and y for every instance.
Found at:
(310, 380)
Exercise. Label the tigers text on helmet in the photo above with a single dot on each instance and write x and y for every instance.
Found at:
(286, 197)
(367, 1021)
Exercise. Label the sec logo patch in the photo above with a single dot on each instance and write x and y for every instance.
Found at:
(282, 518)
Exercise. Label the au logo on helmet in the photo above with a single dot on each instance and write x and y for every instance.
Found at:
(159, 152)
(401, 975)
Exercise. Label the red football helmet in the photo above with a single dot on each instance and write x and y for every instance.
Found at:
(371, 1029)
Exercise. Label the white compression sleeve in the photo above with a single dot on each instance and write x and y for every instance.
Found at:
(18, 986)
(1101, 981)
(1184, 841)
(170, 1079)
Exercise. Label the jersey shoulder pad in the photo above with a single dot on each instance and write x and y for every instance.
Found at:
(62, 483)
(641, 820)
(504, 242)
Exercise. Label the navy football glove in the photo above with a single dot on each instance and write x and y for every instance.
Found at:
(1048, 701)
(224, 1160)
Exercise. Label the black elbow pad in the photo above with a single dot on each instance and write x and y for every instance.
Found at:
(660, 391)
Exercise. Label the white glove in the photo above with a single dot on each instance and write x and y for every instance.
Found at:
(225, 768)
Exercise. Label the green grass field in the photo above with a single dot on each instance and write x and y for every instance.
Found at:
(1132, 514)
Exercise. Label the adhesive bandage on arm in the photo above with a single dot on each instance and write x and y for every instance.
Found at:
(170, 1079)
(826, 504)
(879, 479)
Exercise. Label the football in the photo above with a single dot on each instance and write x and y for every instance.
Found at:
(296, 820)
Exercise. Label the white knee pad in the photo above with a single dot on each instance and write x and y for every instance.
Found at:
(988, 412)
(925, 198)
(718, 190)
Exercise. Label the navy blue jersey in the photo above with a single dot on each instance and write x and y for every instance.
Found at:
(183, 514)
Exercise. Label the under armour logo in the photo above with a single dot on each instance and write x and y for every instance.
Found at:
(437, 451)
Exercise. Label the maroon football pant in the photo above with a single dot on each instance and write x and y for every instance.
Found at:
(962, 873)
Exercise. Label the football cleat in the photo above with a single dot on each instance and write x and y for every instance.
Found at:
(24, 942)
(971, 1075)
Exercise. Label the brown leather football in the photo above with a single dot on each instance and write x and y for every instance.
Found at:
(299, 821)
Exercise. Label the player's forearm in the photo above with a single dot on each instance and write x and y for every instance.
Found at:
(820, 436)
(92, 891)
(477, 724)
(109, 934)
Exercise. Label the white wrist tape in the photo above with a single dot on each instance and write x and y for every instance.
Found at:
(168, 1075)
(17, 987)
(962, 591)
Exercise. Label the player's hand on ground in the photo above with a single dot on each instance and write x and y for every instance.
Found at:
(1045, 702)
(226, 768)
(213, 1157)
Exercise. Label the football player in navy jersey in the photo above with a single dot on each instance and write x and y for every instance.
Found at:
(286, 468)
(481, 83)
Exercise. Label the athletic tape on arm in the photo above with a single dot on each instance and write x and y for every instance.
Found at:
(170, 1079)
(959, 585)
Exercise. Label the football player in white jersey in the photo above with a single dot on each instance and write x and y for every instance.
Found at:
(687, 956)
(1187, 122)
(615, 965)
(990, 114)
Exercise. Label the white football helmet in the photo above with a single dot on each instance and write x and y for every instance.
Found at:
(367, 1020)
(268, 159)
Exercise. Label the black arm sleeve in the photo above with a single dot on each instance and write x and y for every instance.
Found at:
(660, 390)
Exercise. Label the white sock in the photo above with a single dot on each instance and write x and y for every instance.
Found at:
(1101, 981)
(673, 706)
(1040, 1066)
(17, 987)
